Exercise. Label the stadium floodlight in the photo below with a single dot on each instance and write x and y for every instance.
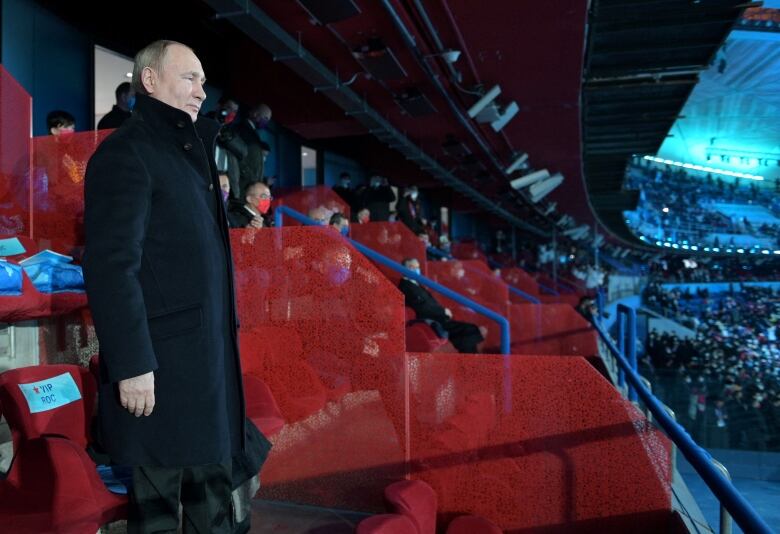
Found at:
(517, 163)
(484, 102)
(529, 179)
(539, 190)
(509, 113)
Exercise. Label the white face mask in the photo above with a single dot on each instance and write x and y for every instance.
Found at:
(413, 195)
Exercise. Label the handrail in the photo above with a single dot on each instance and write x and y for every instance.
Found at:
(510, 287)
(502, 321)
(628, 313)
(547, 289)
(739, 508)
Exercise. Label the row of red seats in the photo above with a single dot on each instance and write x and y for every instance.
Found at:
(52, 484)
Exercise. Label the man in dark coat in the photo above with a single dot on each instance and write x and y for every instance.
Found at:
(253, 210)
(464, 336)
(377, 198)
(252, 165)
(122, 110)
(409, 212)
(159, 278)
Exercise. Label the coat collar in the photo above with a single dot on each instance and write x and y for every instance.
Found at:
(162, 117)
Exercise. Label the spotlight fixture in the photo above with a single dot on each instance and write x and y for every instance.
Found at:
(484, 102)
(539, 190)
(529, 179)
(450, 56)
(507, 115)
(519, 162)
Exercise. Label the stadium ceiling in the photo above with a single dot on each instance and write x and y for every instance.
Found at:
(579, 117)
(643, 59)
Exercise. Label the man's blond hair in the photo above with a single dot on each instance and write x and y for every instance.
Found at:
(152, 56)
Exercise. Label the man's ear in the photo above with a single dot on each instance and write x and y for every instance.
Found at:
(148, 79)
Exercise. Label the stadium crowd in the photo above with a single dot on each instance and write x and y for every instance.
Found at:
(723, 382)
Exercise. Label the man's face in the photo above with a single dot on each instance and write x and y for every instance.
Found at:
(256, 194)
(425, 239)
(180, 82)
(63, 129)
(413, 265)
(224, 183)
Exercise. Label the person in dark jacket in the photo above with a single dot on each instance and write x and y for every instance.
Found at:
(159, 278)
(122, 110)
(409, 211)
(252, 165)
(464, 336)
(346, 192)
(377, 197)
(254, 210)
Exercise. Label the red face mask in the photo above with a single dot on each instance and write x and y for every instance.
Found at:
(364, 218)
(230, 117)
(263, 205)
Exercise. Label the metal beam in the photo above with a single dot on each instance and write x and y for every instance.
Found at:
(264, 31)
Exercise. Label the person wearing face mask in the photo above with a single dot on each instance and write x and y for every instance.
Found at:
(340, 223)
(465, 337)
(122, 110)
(231, 148)
(377, 197)
(409, 211)
(252, 166)
(60, 123)
(345, 191)
(363, 216)
(224, 188)
(254, 211)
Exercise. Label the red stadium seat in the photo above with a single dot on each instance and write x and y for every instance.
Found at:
(70, 420)
(50, 437)
(261, 407)
(387, 524)
(416, 500)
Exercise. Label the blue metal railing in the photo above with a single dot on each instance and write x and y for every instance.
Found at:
(739, 508)
(502, 321)
(547, 290)
(626, 314)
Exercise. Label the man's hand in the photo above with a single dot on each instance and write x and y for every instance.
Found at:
(448, 312)
(137, 394)
(256, 222)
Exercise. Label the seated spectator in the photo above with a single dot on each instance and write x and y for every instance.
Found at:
(340, 223)
(253, 211)
(125, 100)
(588, 309)
(465, 337)
(377, 198)
(321, 215)
(363, 216)
(60, 123)
(409, 211)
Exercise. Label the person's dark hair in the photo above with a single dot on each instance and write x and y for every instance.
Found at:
(336, 218)
(59, 118)
(265, 147)
(122, 89)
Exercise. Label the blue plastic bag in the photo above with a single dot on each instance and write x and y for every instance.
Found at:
(55, 277)
(10, 279)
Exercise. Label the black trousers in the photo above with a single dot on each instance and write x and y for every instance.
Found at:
(203, 491)
(464, 336)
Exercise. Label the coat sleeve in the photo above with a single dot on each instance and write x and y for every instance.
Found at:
(424, 306)
(117, 207)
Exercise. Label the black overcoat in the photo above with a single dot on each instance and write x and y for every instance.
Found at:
(159, 279)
